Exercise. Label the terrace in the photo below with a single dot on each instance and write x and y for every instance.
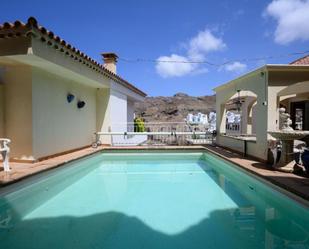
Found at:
(143, 178)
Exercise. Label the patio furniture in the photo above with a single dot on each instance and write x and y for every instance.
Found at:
(5, 150)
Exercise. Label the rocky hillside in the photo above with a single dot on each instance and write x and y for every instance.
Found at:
(173, 109)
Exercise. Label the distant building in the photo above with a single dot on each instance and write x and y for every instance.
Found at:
(202, 119)
(199, 118)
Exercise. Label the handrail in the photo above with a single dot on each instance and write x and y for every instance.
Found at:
(167, 134)
(172, 133)
(127, 133)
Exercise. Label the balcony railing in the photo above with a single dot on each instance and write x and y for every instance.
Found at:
(158, 133)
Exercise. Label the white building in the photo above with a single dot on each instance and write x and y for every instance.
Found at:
(38, 70)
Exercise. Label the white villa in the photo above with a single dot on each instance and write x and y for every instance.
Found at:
(257, 97)
(53, 97)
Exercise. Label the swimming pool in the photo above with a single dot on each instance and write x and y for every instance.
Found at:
(150, 200)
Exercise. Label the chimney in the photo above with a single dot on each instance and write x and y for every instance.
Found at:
(110, 61)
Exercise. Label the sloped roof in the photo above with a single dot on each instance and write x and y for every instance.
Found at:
(301, 61)
(32, 28)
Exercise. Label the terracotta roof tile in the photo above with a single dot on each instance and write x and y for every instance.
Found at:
(31, 28)
(301, 61)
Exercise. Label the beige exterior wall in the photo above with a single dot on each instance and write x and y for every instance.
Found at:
(229, 142)
(103, 110)
(58, 125)
(39, 120)
(256, 83)
(18, 110)
(34, 112)
(118, 118)
(130, 111)
(114, 110)
(239, 145)
(36, 116)
(267, 87)
(286, 78)
(254, 119)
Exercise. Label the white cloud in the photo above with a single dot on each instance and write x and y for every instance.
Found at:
(292, 18)
(196, 50)
(203, 43)
(236, 67)
(168, 69)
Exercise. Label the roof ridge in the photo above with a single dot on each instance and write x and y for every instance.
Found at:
(32, 24)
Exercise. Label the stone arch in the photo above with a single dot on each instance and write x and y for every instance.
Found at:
(297, 88)
(251, 115)
(249, 99)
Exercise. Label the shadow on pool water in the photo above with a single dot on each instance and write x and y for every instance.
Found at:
(223, 229)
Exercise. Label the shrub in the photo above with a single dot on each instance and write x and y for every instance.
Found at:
(139, 125)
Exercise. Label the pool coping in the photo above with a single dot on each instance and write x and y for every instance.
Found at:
(298, 191)
(298, 186)
(34, 168)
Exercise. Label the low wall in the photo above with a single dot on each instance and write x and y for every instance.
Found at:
(128, 140)
(238, 145)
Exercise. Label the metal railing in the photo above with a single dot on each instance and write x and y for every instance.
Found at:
(158, 133)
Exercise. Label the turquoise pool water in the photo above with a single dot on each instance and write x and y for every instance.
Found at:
(154, 200)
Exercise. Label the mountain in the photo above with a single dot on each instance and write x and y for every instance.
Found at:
(175, 108)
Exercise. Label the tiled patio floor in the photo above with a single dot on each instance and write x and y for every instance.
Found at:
(298, 185)
(23, 170)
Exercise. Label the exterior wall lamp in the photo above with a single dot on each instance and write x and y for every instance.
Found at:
(80, 104)
(70, 97)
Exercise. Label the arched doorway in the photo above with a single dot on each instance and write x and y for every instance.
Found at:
(295, 98)
(239, 114)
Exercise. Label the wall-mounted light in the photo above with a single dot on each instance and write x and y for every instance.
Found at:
(262, 73)
(70, 97)
(80, 104)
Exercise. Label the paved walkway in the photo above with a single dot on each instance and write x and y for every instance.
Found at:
(22, 170)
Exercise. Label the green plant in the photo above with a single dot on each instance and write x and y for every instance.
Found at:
(139, 125)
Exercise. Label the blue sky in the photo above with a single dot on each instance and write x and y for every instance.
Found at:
(197, 30)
